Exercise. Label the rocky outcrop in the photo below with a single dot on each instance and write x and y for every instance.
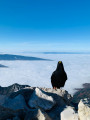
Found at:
(61, 96)
(44, 103)
(81, 93)
(84, 109)
(83, 112)
(12, 88)
(19, 102)
(40, 100)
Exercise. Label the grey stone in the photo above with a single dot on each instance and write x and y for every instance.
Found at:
(59, 94)
(69, 114)
(40, 100)
(11, 89)
(25, 92)
(84, 109)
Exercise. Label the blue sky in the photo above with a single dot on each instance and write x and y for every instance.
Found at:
(45, 25)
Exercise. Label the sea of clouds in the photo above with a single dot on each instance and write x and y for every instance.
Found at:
(38, 73)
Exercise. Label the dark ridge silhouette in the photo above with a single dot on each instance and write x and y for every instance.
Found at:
(12, 88)
(59, 76)
(82, 93)
(2, 66)
(19, 57)
(66, 52)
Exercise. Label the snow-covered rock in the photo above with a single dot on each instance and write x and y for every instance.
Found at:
(41, 100)
(84, 109)
(69, 114)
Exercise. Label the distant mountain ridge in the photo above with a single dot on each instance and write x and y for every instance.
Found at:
(2, 65)
(19, 57)
(66, 52)
(82, 93)
(12, 88)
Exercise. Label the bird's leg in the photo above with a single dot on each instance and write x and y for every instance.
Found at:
(55, 88)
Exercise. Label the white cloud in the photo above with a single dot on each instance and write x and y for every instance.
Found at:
(38, 73)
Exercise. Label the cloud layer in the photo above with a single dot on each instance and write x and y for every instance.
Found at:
(38, 73)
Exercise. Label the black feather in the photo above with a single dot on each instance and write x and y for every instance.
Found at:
(59, 76)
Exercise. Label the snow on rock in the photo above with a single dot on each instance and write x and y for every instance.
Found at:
(69, 114)
(84, 109)
(40, 100)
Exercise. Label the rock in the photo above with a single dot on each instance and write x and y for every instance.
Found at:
(59, 94)
(61, 98)
(9, 114)
(21, 113)
(69, 114)
(37, 114)
(84, 109)
(19, 102)
(82, 93)
(6, 113)
(16, 118)
(12, 88)
(3, 99)
(26, 93)
(54, 113)
(16, 103)
(40, 100)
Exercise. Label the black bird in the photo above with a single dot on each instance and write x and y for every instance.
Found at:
(59, 76)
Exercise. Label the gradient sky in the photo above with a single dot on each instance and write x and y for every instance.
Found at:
(45, 25)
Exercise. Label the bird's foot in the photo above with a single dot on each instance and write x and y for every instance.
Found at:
(55, 88)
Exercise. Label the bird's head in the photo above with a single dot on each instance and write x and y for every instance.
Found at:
(60, 66)
(60, 62)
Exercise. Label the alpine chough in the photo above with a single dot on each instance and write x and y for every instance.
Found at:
(59, 76)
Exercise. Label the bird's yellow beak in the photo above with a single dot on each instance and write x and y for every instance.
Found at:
(59, 61)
